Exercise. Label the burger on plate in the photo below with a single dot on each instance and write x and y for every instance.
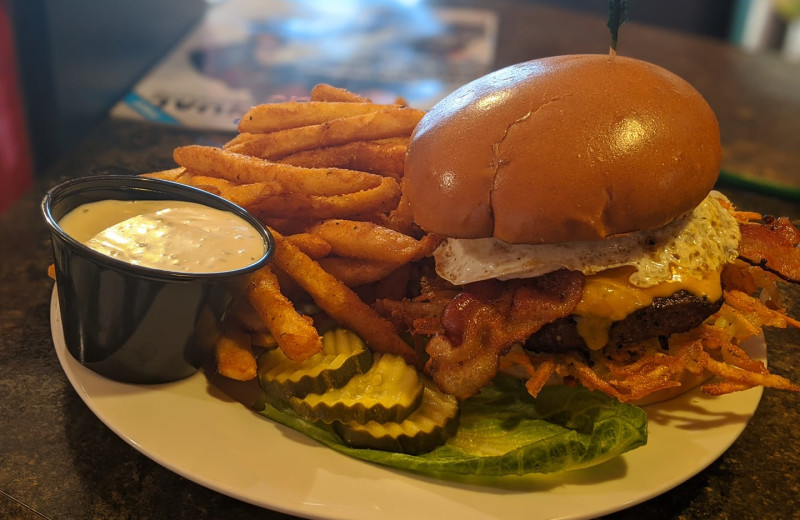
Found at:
(583, 238)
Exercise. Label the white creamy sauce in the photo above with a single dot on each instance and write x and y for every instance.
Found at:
(166, 234)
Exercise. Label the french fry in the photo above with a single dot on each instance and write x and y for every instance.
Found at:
(244, 195)
(271, 117)
(214, 185)
(339, 301)
(238, 139)
(396, 285)
(401, 218)
(365, 240)
(263, 339)
(173, 174)
(313, 245)
(389, 122)
(294, 165)
(383, 156)
(354, 272)
(286, 225)
(234, 355)
(242, 169)
(245, 315)
(294, 333)
(301, 205)
(325, 92)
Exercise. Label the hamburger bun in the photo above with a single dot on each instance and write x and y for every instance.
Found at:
(560, 149)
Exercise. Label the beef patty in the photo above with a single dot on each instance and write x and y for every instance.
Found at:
(677, 313)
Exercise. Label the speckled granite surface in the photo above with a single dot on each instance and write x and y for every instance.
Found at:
(57, 460)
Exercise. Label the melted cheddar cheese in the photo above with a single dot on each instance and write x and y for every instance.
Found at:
(609, 296)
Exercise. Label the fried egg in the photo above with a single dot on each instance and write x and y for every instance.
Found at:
(703, 240)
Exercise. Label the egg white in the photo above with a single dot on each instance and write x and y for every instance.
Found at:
(701, 241)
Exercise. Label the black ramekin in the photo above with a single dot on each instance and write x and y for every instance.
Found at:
(131, 323)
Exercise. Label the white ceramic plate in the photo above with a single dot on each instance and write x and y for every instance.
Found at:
(195, 430)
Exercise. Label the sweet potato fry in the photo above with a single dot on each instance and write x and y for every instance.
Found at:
(325, 92)
(242, 169)
(339, 301)
(234, 355)
(295, 333)
(389, 122)
(271, 117)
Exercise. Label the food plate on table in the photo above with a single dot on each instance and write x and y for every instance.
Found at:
(195, 430)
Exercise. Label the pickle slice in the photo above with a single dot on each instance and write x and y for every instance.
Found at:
(428, 427)
(389, 391)
(343, 356)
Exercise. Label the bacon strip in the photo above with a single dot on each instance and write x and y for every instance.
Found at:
(480, 328)
(774, 246)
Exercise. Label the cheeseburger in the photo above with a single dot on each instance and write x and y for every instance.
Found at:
(575, 197)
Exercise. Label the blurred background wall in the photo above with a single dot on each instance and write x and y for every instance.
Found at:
(77, 58)
(707, 17)
(69, 61)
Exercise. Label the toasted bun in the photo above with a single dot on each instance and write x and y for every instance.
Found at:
(564, 148)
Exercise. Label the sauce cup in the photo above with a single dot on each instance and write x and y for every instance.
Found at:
(132, 323)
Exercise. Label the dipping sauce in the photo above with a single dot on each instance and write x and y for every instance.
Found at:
(166, 234)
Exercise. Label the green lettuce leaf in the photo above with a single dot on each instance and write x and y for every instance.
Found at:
(504, 431)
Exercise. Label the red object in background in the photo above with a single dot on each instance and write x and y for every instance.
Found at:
(15, 161)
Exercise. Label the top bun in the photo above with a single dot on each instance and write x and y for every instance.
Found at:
(564, 148)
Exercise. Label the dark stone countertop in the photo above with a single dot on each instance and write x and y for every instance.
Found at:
(57, 460)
